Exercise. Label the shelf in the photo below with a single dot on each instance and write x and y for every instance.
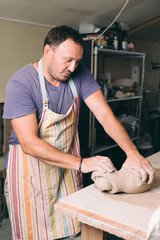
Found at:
(119, 63)
(102, 148)
(118, 52)
(124, 99)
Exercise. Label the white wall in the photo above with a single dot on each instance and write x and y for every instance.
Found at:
(20, 44)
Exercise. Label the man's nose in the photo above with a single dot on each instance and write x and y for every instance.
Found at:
(72, 66)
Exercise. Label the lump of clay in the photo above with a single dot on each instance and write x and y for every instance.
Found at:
(125, 180)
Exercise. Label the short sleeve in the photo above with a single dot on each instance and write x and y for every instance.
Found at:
(18, 101)
(88, 84)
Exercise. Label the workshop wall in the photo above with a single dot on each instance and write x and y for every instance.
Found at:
(20, 44)
(150, 125)
(151, 76)
(152, 50)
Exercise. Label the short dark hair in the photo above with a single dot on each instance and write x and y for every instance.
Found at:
(59, 34)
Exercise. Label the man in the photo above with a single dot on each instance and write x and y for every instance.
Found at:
(44, 163)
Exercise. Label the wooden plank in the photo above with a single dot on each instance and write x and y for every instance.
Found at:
(144, 25)
(115, 219)
(124, 215)
(91, 233)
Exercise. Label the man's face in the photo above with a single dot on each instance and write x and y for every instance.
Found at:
(63, 60)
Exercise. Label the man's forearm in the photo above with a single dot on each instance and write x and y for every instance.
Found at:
(50, 155)
(118, 133)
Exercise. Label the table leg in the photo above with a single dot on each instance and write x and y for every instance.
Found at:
(91, 233)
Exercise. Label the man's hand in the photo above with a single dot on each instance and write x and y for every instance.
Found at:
(99, 163)
(144, 167)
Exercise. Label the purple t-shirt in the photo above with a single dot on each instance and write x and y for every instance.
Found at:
(23, 94)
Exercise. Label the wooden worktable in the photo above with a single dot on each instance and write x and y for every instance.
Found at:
(124, 215)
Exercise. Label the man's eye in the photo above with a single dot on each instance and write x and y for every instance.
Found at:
(68, 60)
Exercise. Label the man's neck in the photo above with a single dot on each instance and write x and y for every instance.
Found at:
(53, 82)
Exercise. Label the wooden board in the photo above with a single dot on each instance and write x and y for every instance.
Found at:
(124, 215)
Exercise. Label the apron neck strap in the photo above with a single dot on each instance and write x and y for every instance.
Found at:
(42, 82)
(73, 87)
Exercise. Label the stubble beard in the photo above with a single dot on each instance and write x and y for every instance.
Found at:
(54, 78)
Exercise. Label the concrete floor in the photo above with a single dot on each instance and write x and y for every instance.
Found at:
(6, 233)
(5, 229)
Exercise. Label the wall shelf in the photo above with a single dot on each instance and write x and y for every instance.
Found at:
(119, 64)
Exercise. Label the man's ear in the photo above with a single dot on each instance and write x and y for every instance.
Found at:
(47, 50)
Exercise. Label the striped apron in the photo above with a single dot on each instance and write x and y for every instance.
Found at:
(34, 186)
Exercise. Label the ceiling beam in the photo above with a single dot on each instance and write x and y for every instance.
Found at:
(144, 25)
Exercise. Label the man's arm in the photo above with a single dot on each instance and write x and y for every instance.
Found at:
(116, 131)
(26, 130)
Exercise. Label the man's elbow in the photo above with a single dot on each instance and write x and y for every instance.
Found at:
(28, 146)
